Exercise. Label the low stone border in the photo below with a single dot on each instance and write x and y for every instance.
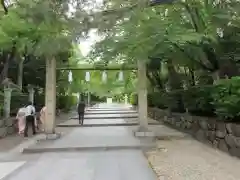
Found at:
(7, 127)
(222, 135)
(150, 163)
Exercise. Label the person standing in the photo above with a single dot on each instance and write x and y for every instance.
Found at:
(21, 120)
(42, 117)
(30, 119)
(81, 109)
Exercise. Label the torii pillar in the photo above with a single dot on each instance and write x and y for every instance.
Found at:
(142, 101)
(50, 99)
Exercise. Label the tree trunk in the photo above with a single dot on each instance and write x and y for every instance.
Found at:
(215, 77)
(7, 101)
(174, 80)
(191, 71)
(9, 57)
(20, 73)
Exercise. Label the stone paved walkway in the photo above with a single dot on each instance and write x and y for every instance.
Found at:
(116, 164)
(176, 157)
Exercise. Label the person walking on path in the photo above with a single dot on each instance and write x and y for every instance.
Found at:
(81, 109)
(30, 119)
(21, 120)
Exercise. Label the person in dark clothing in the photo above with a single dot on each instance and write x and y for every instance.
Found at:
(81, 109)
(30, 119)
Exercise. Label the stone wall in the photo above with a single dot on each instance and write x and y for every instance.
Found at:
(222, 135)
(7, 127)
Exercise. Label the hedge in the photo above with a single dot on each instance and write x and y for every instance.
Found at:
(222, 100)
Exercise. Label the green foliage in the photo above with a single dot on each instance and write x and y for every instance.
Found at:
(18, 100)
(66, 102)
(222, 99)
(226, 99)
(157, 99)
(133, 99)
(174, 101)
(197, 100)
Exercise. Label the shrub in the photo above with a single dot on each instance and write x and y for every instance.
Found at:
(198, 100)
(222, 100)
(157, 99)
(226, 99)
(174, 101)
(134, 99)
(66, 102)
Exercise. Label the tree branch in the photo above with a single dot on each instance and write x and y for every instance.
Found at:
(4, 6)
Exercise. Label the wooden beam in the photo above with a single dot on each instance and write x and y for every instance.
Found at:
(97, 68)
(93, 67)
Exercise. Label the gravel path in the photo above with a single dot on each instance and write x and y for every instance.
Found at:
(187, 159)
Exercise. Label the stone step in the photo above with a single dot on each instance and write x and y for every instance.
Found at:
(106, 117)
(109, 112)
(34, 150)
(103, 125)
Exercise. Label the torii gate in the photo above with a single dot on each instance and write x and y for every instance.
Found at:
(50, 95)
(50, 99)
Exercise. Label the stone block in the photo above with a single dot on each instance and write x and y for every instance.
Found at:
(215, 143)
(144, 134)
(188, 125)
(189, 118)
(165, 119)
(201, 135)
(235, 129)
(212, 125)
(230, 140)
(184, 125)
(237, 141)
(2, 123)
(53, 136)
(11, 130)
(229, 128)
(222, 145)
(203, 124)
(221, 130)
(221, 134)
(3, 132)
(195, 127)
(221, 126)
(176, 117)
(9, 122)
(211, 135)
(178, 124)
(235, 152)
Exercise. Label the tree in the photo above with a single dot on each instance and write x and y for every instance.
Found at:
(189, 37)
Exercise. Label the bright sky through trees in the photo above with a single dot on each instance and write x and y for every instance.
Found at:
(85, 45)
